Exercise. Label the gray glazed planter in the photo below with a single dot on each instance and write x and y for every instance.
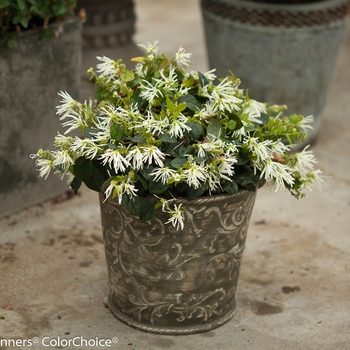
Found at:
(176, 282)
(31, 76)
(284, 54)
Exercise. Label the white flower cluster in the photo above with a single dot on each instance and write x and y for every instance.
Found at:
(157, 128)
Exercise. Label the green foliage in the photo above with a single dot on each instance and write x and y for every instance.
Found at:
(157, 133)
(86, 171)
(19, 15)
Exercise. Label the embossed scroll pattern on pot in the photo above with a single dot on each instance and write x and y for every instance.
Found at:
(176, 282)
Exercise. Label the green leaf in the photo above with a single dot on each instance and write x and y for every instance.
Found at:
(145, 172)
(21, 4)
(174, 110)
(58, 9)
(143, 181)
(242, 159)
(232, 125)
(127, 75)
(171, 149)
(248, 180)
(148, 210)
(264, 118)
(196, 130)
(61, 10)
(202, 80)
(193, 193)
(200, 159)
(2, 317)
(190, 150)
(191, 102)
(181, 188)
(117, 132)
(106, 183)
(4, 3)
(86, 172)
(180, 107)
(99, 93)
(75, 184)
(235, 119)
(178, 162)
(136, 99)
(168, 139)
(250, 128)
(214, 129)
(137, 138)
(24, 22)
(230, 187)
(83, 169)
(155, 187)
(170, 105)
(134, 82)
(112, 146)
(16, 19)
(96, 181)
(133, 204)
(90, 132)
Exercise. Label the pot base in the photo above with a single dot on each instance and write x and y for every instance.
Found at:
(170, 331)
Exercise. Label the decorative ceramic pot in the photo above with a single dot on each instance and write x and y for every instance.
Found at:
(284, 53)
(176, 282)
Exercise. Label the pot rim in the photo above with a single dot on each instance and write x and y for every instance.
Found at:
(306, 7)
(311, 15)
(33, 33)
(184, 200)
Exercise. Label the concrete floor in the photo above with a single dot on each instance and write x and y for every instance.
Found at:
(294, 288)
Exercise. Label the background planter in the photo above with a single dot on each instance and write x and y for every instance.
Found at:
(176, 282)
(108, 31)
(285, 54)
(31, 76)
(109, 22)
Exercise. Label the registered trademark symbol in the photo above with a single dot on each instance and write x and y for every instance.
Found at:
(115, 340)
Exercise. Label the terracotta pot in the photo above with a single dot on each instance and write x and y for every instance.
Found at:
(176, 282)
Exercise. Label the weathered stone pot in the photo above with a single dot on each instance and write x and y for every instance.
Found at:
(284, 53)
(108, 23)
(176, 282)
(31, 76)
(108, 31)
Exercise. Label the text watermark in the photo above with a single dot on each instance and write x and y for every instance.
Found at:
(61, 341)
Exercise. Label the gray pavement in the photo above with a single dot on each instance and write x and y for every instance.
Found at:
(294, 288)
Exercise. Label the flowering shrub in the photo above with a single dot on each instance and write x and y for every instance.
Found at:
(160, 131)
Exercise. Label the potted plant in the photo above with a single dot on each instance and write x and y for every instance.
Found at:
(177, 160)
(40, 53)
(285, 51)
